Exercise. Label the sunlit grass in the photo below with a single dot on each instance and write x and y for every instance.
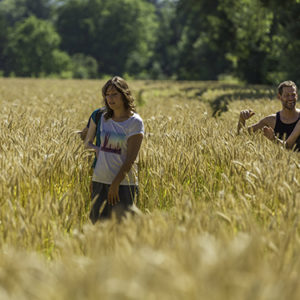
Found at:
(220, 211)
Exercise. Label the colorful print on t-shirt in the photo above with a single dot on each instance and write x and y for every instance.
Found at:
(112, 142)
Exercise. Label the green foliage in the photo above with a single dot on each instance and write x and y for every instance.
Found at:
(18, 10)
(60, 62)
(3, 39)
(33, 49)
(286, 42)
(204, 40)
(256, 41)
(252, 39)
(119, 34)
(164, 62)
(84, 66)
(251, 27)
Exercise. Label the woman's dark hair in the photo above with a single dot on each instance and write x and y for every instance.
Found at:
(121, 86)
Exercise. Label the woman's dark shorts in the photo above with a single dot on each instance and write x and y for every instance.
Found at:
(102, 210)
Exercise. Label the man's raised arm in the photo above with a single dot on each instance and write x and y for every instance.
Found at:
(268, 121)
(244, 115)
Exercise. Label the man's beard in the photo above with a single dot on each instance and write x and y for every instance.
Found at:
(290, 106)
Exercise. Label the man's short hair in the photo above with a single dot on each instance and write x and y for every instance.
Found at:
(287, 83)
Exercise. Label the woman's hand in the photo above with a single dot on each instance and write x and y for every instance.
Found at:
(113, 194)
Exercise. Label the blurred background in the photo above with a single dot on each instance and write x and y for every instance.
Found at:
(250, 41)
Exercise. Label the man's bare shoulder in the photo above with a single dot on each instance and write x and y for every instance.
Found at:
(271, 117)
(269, 120)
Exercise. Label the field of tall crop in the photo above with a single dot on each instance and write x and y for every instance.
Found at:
(220, 211)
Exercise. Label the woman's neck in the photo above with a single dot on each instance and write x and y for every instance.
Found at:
(121, 115)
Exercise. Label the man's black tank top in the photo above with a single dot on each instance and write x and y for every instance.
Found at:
(283, 130)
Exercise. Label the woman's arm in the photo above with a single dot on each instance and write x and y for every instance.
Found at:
(90, 136)
(293, 137)
(84, 131)
(133, 146)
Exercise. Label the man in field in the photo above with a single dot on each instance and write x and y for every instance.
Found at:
(278, 127)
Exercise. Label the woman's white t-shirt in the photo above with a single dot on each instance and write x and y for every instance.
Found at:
(113, 149)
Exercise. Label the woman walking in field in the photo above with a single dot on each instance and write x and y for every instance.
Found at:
(121, 134)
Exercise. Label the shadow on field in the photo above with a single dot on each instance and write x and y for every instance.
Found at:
(198, 91)
(228, 93)
(220, 104)
(209, 86)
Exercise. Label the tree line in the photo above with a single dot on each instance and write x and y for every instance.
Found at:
(257, 41)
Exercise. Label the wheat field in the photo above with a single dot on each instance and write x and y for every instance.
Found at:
(220, 211)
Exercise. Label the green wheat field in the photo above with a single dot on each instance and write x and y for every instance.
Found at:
(220, 212)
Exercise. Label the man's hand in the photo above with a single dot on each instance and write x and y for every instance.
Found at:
(269, 133)
(246, 114)
(113, 194)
